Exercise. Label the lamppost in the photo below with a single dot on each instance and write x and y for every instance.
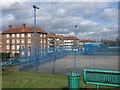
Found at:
(75, 52)
(35, 59)
(76, 36)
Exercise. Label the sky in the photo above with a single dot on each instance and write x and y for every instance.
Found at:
(95, 19)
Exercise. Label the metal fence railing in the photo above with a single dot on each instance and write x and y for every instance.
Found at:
(44, 54)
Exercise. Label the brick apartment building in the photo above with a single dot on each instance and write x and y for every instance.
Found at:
(22, 37)
(51, 38)
(1, 43)
(70, 42)
(54, 40)
(60, 40)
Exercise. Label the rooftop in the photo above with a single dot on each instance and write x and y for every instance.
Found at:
(51, 35)
(69, 38)
(86, 40)
(23, 29)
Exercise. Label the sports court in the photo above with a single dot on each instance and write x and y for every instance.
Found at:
(66, 64)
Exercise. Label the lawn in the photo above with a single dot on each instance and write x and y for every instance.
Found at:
(16, 79)
(32, 80)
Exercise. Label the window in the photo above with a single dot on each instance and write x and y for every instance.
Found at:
(18, 47)
(29, 47)
(13, 47)
(22, 35)
(29, 34)
(7, 35)
(13, 52)
(40, 41)
(28, 53)
(29, 50)
(22, 52)
(44, 35)
(13, 35)
(44, 41)
(58, 39)
(7, 41)
(22, 40)
(49, 39)
(18, 41)
(8, 47)
(18, 35)
(13, 40)
(29, 40)
(22, 47)
(40, 35)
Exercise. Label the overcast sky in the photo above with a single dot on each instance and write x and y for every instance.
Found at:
(95, 20)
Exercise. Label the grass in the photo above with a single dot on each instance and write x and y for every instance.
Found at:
(16, 79)
(31, 80)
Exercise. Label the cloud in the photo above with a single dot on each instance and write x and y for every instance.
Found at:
(5, 4)
(8, 19)
(87, 22)
(109, 13)
(74, 0)
(61, 18)
(61, 11)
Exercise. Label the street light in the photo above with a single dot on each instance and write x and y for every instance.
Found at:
(35, 59)
(76, 36)
(75, 52)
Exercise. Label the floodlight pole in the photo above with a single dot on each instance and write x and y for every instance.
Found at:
(94, 54)
(35, 54)
(75, 52)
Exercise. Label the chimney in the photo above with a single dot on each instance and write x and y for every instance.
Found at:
(10, 26)
(24, 25)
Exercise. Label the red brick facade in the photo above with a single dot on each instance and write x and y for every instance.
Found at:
(22, 36)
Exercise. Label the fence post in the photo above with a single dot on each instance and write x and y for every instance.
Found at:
(30, 56)
(44, 54)
(19, 59)
(38, 58)
(40, 54)
(97, 87)
(94, 56)
(54, 61)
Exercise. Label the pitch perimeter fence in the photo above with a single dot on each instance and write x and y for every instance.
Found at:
(44, 54)
(48, 57)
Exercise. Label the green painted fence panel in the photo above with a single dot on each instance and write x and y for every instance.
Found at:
(102, 77)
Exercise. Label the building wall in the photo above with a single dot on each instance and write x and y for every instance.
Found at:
(4, 43)
(20, 44)
(70, 42)
(1, 43)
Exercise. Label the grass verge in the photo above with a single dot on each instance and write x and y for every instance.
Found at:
(16, 79)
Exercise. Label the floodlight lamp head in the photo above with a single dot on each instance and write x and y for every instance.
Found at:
(35, 7)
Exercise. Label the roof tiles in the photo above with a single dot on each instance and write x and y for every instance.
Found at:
(22, 29)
